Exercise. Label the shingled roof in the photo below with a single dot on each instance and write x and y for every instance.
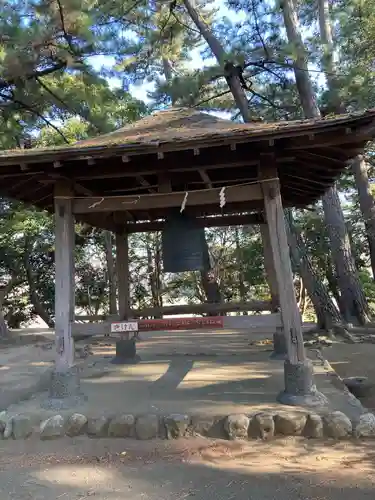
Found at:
(196, 150)
(183, 127)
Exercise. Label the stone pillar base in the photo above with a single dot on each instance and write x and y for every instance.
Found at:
(126, 352)
(300, 389)
(279, 345)
(64, 390)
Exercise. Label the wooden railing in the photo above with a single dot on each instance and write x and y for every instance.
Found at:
(212, 308)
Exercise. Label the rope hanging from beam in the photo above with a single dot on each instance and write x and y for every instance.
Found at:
(221, 196)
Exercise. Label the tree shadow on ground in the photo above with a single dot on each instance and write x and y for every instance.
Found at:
(187, 469)
(190, 381)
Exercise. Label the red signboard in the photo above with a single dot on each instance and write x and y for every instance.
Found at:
(180, 323)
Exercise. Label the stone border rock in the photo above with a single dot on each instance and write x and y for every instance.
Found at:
(261, 425)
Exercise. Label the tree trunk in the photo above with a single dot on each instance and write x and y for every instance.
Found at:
(347, 276)
(151, 252)
(167, 68)
(111, 271)
(157, 271)
(301, 294)
(210, 287)
(305, 306)
(366, 203)
(353, 299)
(358, 165)
(34, 299)
(303, 82)
(4, 332)
(241, 279)
(151, 274)
(328, 61)
(13, 282)
(325, 310)
(333, 288)
(220, 55)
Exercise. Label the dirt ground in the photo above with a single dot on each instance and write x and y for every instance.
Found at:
(200, 469)
(196, 469)
(354, 360)
(197, 373)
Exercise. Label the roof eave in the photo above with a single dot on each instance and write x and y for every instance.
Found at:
(362, 133)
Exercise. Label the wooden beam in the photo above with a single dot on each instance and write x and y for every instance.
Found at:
(164, 183)
(122, 267)
(98, 221)
(36, 201)
(143, 182)
(192, 184)
(224, 221)
(253, 305)
(340, 152)
(267, 323)
(224, 182)
(78, 188)
(151, 188)
(272, 320)
(319, 158)
(134, 171)
(17, 185)
(269, 265)
(64, 280)
(88, 192)
(205, 178)
(280, 250)
(291, 174)
(112, 171)
(120, 219)
(340, 138)
(311, 168)
(165, 200)
(85, 191)
(290, 183)
(20, 174)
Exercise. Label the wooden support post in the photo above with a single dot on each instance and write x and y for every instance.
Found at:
(64, 279)
(280, 250)
(122, 266)
(300, 389)
(269, 266)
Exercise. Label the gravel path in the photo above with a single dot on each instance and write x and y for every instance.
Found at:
(199, 469)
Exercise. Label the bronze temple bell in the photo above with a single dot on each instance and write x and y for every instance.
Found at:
(184, 245)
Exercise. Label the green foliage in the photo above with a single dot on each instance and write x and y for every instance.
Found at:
(369, 288)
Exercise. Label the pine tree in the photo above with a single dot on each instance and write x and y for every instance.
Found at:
(353, 302)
